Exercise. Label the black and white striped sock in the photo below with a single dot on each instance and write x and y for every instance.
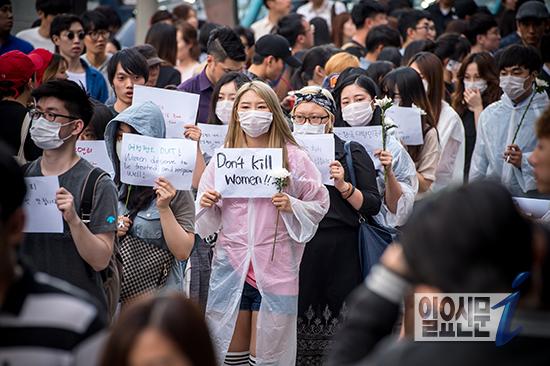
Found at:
(236, 358)
(252, 361)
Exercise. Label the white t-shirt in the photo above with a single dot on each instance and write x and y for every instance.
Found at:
(324, 11)
(33, 37)
(77, 77)
(262, 27)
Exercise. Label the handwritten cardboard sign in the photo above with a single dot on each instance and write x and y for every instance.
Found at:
(212, 137)
(42, 214)
(246, 173)
(368, 136)
(320, 149)
(146, 158)
(96, 154)
(409, 124)
(178, 108)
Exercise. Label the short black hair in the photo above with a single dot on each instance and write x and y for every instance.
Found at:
(290, 27)
(131, 61)
(101, 117)
(93, 20)
(379, 69)
(204, 34)
(479, 24)
(382, 35)
(75, 99)
(410, 19)
(519, 55)
(365, 9)
(391, 54)
(13, 184)
(53, 7)
(62, 22)
(112, 16)
(452, 46)
(224, 43)
(246, 33)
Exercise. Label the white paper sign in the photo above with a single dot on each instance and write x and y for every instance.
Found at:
(368, 136)
(96, 154)
(246, 173)
(320, 149)
(42, 214)
(178, 108)
(146, 158)
(212, 137)
(536, 208)
(409, 124)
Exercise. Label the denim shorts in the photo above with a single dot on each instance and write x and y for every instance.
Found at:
(251, 298)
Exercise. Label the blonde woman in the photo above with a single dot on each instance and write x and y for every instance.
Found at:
(252, 301)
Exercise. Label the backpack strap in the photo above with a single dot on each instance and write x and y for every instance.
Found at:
(88, 193)
(349, 162)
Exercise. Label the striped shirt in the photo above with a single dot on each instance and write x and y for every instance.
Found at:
(46, 321)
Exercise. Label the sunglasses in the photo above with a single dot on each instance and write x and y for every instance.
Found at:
(70, 35)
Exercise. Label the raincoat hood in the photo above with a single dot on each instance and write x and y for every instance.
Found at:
(145, 118)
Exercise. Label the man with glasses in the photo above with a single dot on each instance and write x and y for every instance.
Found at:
(416, 25)
(97, 35)
(7, 41)
(225, 54)
(67, 33)
(63, 110)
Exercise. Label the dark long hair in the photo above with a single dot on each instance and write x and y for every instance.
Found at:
(190, 35)
(411, 91)
(236, 77)
(163, 37)
(365, 83)
(338, 23)
(432, 69)
(316, 56)
(175, 317)
(488, 71)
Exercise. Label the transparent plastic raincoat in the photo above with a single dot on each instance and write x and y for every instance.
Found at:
(246, 233)
(405, 172)
(496, 127)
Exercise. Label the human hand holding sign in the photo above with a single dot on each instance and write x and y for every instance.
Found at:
(192, 132)
(165, 193)
(65, 203)
(209, 198)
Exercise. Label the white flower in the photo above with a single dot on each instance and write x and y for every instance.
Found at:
(280, 173)
(422, 112)
(541, 83)
(383, 103)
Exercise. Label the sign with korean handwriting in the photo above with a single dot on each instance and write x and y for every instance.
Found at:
(246, 173)
(212, 137)
(409, 122)
(368, 136)
(96, 154)
(41, 212)
(320, 149)
(178, 108)
(146, 158)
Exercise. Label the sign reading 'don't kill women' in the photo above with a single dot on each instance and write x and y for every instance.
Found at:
(246, 173)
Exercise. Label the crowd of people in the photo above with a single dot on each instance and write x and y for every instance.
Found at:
(153, 275)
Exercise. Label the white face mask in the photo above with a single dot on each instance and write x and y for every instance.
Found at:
(45, 134)
(426, 86)
(309, 129)
(223, 110)
(118, 148)
(357, 114)
(480, 85)
(255, 123)
(512, 86)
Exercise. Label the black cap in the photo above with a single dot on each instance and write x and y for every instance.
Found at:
(278, 46)
(150, 53)
(532, 9)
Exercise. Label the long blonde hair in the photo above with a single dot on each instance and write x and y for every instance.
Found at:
(279, 131)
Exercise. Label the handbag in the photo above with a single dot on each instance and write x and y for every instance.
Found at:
(373, 237)
(145, 267)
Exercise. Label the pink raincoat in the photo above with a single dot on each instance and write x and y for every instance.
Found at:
(246, 231)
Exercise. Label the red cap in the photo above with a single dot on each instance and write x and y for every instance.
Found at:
(41, 59)
(15, 68)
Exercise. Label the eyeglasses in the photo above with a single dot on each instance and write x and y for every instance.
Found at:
(314, 120)
(70, 35)
(50, 116)
(427, 28)
(94, 35)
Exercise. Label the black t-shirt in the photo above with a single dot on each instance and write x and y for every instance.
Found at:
(13, 114)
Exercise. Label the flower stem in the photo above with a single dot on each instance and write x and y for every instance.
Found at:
(522, 118)
(275, 238)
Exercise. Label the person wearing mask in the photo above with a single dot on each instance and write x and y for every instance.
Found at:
(63, 110)
(451, 49)
(483, 33)
(505, 138)
(272, 52)
(365, 15)
(225, 54)
(442, 12)
(97, 35)
(450, 168)
(477, 87)
(416, 25)
(276, 9)
(188, 50)
(39, 36)
(153, 61)
(226, 90)
(9, 42)
(163, 37)
(323, 291)
(126, 68)
(404, 86)
(67, 33)
(254, 284)
(531, 20)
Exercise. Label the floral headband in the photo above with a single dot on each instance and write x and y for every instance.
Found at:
(319, 99)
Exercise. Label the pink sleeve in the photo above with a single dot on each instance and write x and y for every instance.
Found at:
(207, 220)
